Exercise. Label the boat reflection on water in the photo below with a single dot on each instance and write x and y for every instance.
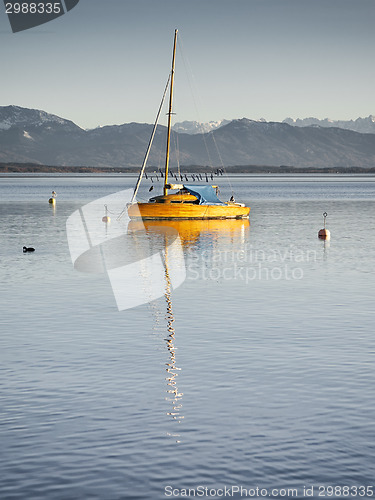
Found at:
(192, 234)
(193, 231)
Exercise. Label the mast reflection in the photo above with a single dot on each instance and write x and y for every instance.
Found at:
(166, 240)
(174, 239)
(174, 396)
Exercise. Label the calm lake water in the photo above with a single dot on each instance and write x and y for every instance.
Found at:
(258, 371)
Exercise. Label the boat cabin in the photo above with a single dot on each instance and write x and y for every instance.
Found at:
(192, 195)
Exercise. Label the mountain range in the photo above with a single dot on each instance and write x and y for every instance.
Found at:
(362, 125)
(34, 136)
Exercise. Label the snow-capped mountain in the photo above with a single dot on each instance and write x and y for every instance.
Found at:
(24, 117)
(193, 127)
(362, 125)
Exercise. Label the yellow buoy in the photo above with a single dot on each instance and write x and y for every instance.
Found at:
(324, 234)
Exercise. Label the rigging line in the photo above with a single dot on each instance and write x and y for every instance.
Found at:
(191, 81)
(160, 157)
(148, 148)
(163, 144)
(174, 134)
(221, 161)
(177, 149)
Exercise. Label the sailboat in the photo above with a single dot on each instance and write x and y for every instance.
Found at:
(187, 201)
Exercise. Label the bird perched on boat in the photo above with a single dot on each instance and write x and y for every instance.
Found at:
(28, 249)
(231, 198)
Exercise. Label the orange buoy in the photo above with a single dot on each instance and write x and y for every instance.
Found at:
(324, 234)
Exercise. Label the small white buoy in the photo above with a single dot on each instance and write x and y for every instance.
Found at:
(324, 234)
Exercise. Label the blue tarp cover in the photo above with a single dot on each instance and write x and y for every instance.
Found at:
(205, 194)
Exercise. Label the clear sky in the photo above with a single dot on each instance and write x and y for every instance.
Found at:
(107, 61)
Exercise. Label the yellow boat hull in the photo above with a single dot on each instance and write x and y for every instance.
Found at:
(186, 211)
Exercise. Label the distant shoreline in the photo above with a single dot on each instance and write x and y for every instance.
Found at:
(30, 168)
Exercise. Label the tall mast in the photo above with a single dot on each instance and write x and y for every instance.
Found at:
(170, 115)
